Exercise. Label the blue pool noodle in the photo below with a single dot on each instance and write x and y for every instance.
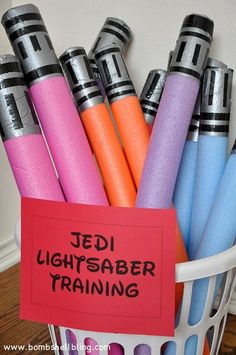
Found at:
(212, 155)
(212, 149)
(220, 230)
(183, 194)
(219, 235)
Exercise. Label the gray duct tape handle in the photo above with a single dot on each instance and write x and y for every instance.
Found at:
(31, 42)
(17, 115)
(191, 51)
(216, 101)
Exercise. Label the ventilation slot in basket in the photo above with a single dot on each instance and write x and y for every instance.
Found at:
(142, 349)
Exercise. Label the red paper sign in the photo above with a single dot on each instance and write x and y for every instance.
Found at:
(98, 268)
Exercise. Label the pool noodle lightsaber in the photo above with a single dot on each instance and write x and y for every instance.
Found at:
(151, 95)
(100, 131)
(130, 122)
(211, 63)
(191, 344)
(54, 104)
(149, 99)
(191, 65)
(183, 198)
(175, 112)
(212, 148)
(219, 235)
(184, 188)
(75, 165)
(125, 107)
(22, 138)
(113, 32)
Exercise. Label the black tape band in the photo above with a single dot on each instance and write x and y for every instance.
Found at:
(193, 128)
(120, 27)
(215, 116)
(214, 128)
(65, 57)
(118, 85)
(149, 112)
(84, 86)
(186, 71)
(199, 21)
(11, 82)
(121, 93)
(2, 133)
(26, 30)
(107, 51)
(10, 67)
(24, 17)
(195, 34)
(115, 33)
(87, 97)
(43, 71)
(149, 103)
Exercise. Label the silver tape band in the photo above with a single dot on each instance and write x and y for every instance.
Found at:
(31, 42)
(217, 88)
(17, 115)
(151, 94)
(192, 47)
(114, 32)
(213, 134)
(114, 74)
(81, 79)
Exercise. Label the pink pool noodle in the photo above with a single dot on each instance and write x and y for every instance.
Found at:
(67, 141)
(32, 167)
(24, 144)
(54, 104)
(174, 113)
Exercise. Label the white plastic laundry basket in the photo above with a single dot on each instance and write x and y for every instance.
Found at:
(212, 323)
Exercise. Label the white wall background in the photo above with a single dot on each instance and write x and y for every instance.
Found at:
(9, 196)
(155, 24)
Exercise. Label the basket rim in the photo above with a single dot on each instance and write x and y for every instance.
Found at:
(209, 266)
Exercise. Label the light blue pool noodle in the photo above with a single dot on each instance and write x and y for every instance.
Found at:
(219, 235)
(211, 160)
(183, 194)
